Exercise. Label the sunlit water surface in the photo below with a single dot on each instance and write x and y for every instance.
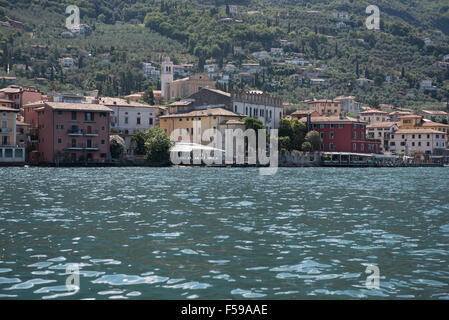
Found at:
(197, 233)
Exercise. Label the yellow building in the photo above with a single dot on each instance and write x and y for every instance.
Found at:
(8, 150)
(193, 124)
(325, 107)
(183, 88)
(410, 122)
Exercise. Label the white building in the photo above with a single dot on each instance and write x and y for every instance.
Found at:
(210, 68)
(382, 131)
(150, 71)
(348, 104)
(427, 85)
(128, 117)
(67, 62)
(341, 15)
(417, 141)
(261, 55)
(261, 106)
(374, 116)
(278, 52)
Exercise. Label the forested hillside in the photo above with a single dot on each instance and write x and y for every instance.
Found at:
(410, 46)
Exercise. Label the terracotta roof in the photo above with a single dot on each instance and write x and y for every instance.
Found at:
(181, 103)
(405, 131)
(436, 112)
(204, 113)
(373, 111)
(6, 101)
(218, 91)
(78, 107)
(33, 104)
(332, 119)
(414, 116)
(8, 109)
(434, 124)
(382, 125)
(11, 90)
(118, 102)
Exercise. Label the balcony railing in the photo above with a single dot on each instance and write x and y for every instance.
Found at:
(77, 132)
(81, 132)
(83, 147)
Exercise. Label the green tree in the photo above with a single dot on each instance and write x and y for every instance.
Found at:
(154, 144)
(306, 146)
(251, 123)
(314, 138)
(148, 97)
(117, 146)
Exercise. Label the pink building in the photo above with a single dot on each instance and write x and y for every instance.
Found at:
(73, 132)
(20, 96)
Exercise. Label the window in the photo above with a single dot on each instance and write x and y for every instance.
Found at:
(354, 146)
(126, 120)
(341, 126)
(331, 146)
(89, 143)
(73, 143)
(89, 116)
(151, 121)
(138, 121)
(103, 142)
(59, 113)
(59, 140)
(354, 134)
(73, 115)
(332, 135)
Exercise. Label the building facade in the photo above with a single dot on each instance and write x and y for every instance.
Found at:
(412, 142)
(382, 131)
(325, 107)
(349, 104)
(264, 107)
(343, 134)
(128, 117)
(9, 151)
(374, 116)
(193, 124)
(73, 132)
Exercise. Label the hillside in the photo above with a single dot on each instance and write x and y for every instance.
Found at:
(339, 50)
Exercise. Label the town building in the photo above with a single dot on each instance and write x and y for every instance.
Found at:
(414, 142)
(325, 107)
(9, 151)
(299, 114)
(182, 88)
(20, 95)
(434, 115)
(150, 71)
(129, 117)
(396, 115)
(73, 132)
(419, 122)
(67, 62)
(194, 123)
(349, 104)
(382, 131)
(427, 85)
(264, 107)
(373, 116)
(343, 134)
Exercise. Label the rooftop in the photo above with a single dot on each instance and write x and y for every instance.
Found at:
(204, 113)
(407, 131)
(6, 109)
(332, 119)
(77, 107)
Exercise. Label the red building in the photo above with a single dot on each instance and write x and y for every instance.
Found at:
(73, 132)
(343, 134)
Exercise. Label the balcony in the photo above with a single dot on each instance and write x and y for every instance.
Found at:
(75, 133)
(82, 132)
(82, 147)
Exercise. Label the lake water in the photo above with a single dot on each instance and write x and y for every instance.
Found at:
(200, 233)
